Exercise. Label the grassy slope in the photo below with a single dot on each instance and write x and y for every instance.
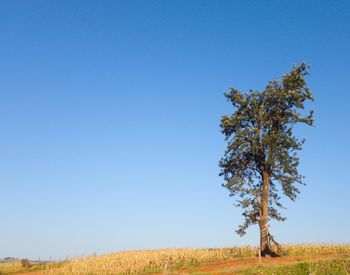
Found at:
(297, 259)
(336, 266)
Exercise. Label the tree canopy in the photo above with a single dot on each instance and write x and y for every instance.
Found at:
(261, 145)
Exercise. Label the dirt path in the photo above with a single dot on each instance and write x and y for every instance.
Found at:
(231, 265)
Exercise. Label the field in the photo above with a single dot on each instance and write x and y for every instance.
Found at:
(16, 267)
(296, 259)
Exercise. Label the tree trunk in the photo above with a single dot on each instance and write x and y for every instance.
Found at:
(264, 216)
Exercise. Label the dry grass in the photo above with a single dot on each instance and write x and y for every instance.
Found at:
(314, 250)
(149, 260)
(10, 267)
(16, 266)
(157, 260)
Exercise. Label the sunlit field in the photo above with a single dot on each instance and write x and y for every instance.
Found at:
(176, 261)
(150, 260)
(294, 259)
(10, 267)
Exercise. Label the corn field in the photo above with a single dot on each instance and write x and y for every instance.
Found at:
(148, 260)
(159, 260)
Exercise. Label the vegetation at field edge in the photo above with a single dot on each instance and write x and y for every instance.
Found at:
(175, 260)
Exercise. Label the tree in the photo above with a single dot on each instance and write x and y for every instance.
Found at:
(260, 162)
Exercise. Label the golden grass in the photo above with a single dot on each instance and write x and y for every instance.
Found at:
(148, 260)
(157, 260)
(10, 267)
(314, 250)
(16, 266)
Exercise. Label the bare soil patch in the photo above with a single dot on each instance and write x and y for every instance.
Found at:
(235, 264)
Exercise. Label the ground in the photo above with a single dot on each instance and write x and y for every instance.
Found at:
(297, 259)
(235, 265)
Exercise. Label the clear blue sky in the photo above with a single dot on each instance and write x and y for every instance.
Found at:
(110, 116)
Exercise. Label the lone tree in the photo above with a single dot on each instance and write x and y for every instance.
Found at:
(260, 162)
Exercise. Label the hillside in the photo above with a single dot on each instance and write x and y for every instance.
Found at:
(295, 259)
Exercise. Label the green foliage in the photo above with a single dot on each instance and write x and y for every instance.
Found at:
(260, 139)
(323, 267)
